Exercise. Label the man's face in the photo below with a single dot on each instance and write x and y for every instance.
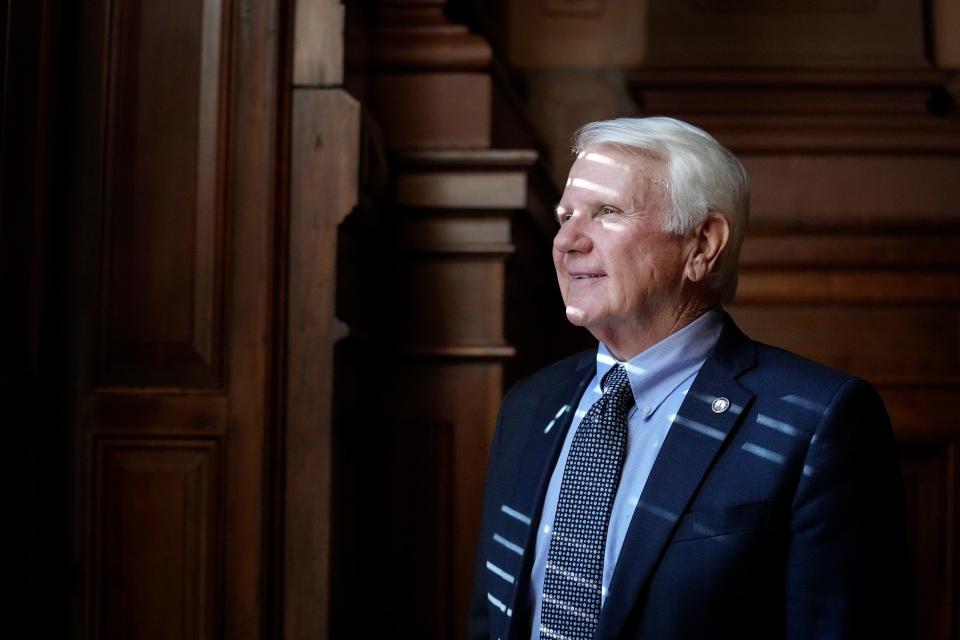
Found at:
(618, 270)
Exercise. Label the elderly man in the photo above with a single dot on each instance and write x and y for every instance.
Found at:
(681, 480)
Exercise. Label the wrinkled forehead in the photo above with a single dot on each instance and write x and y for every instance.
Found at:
(630, 160)
(606, 172)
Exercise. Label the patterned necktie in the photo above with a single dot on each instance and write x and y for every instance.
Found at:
(574, 570)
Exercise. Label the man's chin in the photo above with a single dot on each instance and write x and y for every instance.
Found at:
(577, 317)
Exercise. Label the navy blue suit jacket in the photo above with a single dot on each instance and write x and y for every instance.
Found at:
(781, 517)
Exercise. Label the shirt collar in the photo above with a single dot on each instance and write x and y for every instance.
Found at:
(657, 372)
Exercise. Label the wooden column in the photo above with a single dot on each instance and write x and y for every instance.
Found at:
(430, 86)
(324, 167)
(453, 240)
(440, 368)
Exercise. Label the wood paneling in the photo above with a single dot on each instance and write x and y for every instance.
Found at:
(324, 174)
(156, 513)
(853, 257)
(864, 286)
(899, 330)
(882, 344)
(921, 409)
(429, 87)
(461, 189)
(171, 307)
(931, 481)
(832, 111)
(250, 357)
(537, 29)
(464, 393)
(449, 281)
(933, 248)
(433, 110)
(421, 516)
(421, 274)
(474, 231)
(472, 320)
(163, 194)
(892, 189)
(318, 43)
(785, 34)
(410, 478)
(125, 411)
(152, 380)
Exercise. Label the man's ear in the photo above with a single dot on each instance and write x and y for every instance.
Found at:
(706, 241)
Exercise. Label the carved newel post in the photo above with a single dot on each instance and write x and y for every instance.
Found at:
(452, 202)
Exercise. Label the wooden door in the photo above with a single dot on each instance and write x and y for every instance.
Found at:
(171, 216)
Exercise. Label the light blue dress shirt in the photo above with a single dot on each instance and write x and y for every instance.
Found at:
(660, 378)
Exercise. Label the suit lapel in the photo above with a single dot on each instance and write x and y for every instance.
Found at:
(545, 440)
(696, 436)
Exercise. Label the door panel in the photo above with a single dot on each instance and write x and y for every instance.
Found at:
(172, 314)
(161, 298)
(157, 503)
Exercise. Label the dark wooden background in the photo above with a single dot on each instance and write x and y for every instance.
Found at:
(269, 265)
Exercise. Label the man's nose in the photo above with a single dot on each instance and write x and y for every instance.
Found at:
(572, 236)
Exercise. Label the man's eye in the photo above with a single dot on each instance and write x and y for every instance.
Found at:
(608, 211)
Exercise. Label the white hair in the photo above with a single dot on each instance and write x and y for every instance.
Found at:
(702, 176)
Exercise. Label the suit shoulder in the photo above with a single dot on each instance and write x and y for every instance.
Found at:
(771, 356)
(572, 367)
(788, 371)
(791, 391)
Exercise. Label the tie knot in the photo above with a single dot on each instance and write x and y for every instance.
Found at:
(616, 384)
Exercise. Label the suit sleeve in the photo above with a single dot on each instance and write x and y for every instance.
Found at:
(847, 572)
(478, 623)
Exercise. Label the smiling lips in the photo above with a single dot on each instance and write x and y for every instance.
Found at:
(586, 276)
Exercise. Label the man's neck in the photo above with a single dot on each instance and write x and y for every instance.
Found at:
(625, 342)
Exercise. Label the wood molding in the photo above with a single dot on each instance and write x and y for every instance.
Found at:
(429, 81)
(862, 286)
(162, 412)
(324, 170)
(907, 248)
(156, 503)
(930, 482)
(913, 78)
(251, 198)
(163, 222)
(474, 159)
(318, 43)
(492, 250)
(883, 343)
(461, 189)
(921, 410)
(417, 37)
(483, 179)
(459, 351)
(829, 110)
